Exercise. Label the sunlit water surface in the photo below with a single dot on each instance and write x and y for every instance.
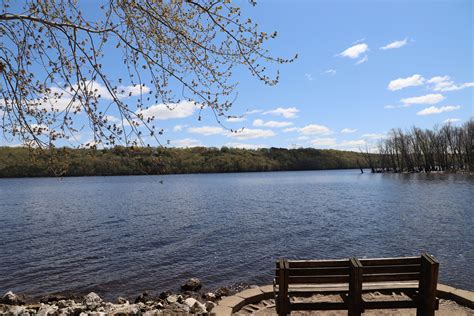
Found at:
(124, 235)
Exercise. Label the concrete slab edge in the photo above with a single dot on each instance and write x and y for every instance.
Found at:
(234, 303)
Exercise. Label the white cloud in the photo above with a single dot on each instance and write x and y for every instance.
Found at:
(129, 91)
(169, 111)
(355, 51)
(445, 83)
(348, 130)
(396, 44)
(374, 135)
(249, 133)
(235, 119)
(396, 106)
(290, 129)
(285, 112)
(253, 112)
(452, 121)
(309, 77)
(245, 146)
(259, 122)
(362, 60)
(314, 129)
(323, 142)
(437, 110)
(331, 72)
(206, 130)
(178, 128)
(400, 83)
(351, 143)
(424, 99)
(185, 142)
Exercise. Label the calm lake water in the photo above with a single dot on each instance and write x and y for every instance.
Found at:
(124, 235)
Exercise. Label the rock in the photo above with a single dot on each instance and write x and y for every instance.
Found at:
(127, 309)
(193, 284)
(13, 310)
(210, 297)
(121, 300)
(52, 298)
(165, 294)
(172, 299)
(66, 303)
(142, 298)
(210, 305)
(11, 298)
(222, 291)
(159, 306)
(92, 301)
(46, 310)
(195, 306)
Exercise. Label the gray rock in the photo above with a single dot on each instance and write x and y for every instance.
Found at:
(11, 298)
(46, 310)
(210, 297)
(121, 300)
(195, 306)
(127, 309)
(193, 284)
(92, 301)
(165, 294)
(210, 305)
(14, 310)
(173, 298)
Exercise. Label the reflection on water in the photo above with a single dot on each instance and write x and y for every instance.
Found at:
(123, 235)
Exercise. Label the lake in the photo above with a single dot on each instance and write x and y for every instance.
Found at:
(124, 235)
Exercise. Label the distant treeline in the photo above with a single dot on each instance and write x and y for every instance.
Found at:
(24, 162)
(449, 148)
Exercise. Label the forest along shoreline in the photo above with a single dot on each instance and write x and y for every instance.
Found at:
(190, 299)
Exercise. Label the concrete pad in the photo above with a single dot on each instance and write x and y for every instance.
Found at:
(464, 297)
(267, 292)
(251, 295)
(234, 302)
(221, 311)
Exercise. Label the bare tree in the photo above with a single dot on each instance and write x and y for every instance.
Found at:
(52, 55)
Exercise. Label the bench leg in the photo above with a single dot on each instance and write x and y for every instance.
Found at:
(427, 288)
(355, 288)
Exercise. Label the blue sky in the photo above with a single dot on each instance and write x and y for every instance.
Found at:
(364, 67)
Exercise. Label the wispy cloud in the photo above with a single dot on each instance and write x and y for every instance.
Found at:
(309, 77)
(355, 51)
(437, 110)
(285, 112)
(452, 121)
(348, 130)
(400, 83)
(178, 128)
(444, 83)
(259, 122)
(235, 119)
(331, 72)
(362, 60)
(170, 111)
(395, 44)
(248, 133)
(374, 135)
(314, 129)
(424, 99)
(185, 142)
(206, 130)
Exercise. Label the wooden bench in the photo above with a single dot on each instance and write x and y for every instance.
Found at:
(350, 278)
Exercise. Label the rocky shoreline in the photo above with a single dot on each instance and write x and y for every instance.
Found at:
(190, 300)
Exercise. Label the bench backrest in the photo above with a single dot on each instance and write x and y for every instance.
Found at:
(315, 271)
(391, 269)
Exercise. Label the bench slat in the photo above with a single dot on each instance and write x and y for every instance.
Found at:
(316, 279)
(318, 263)
(316, 271)
(391, 277)
(390, 261)
(391, 269)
